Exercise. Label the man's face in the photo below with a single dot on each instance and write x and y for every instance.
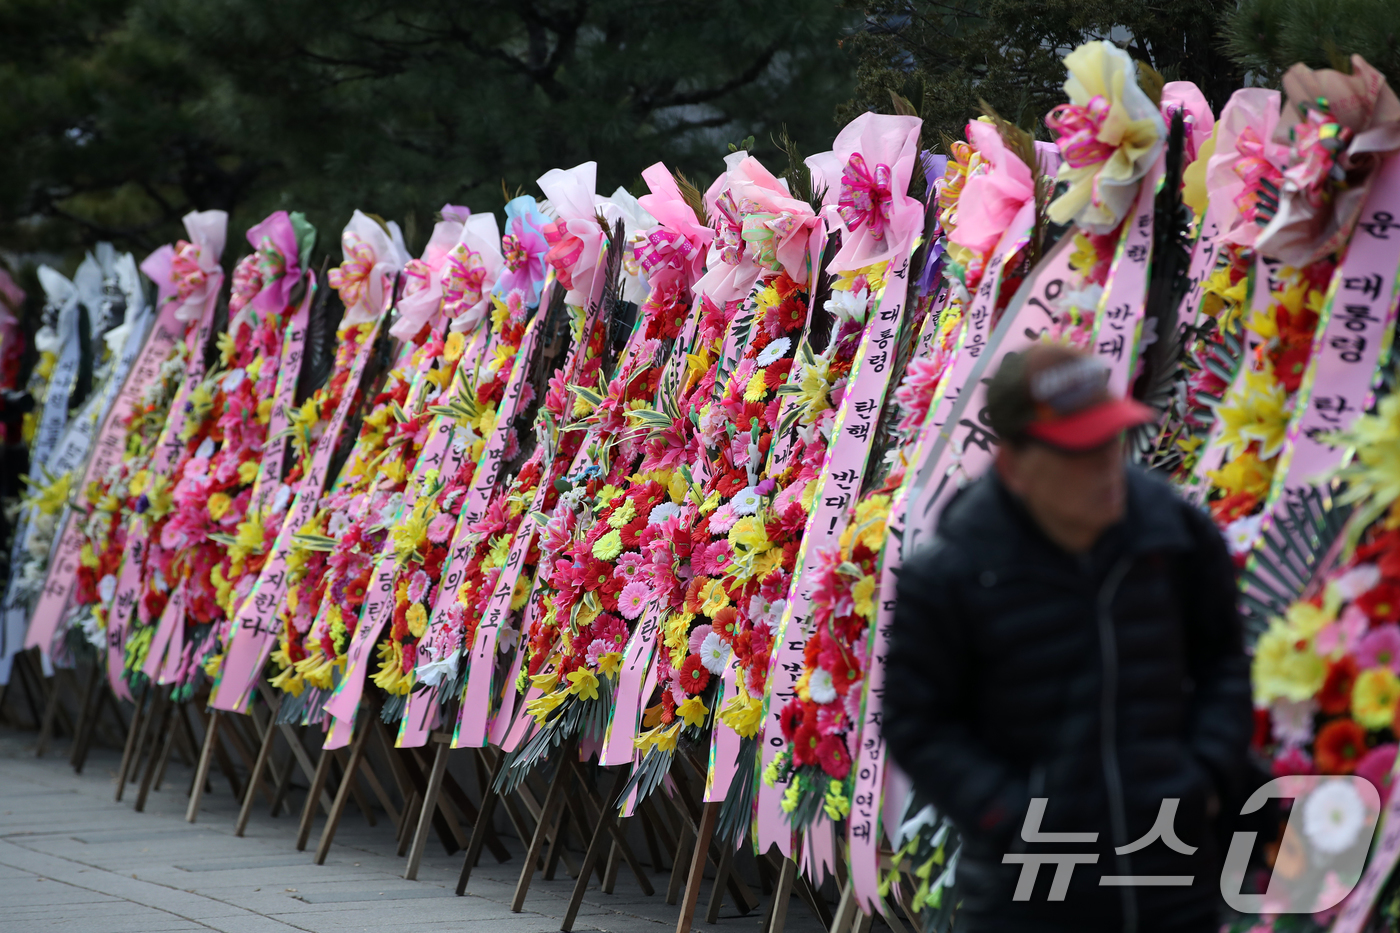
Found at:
(1076, 496)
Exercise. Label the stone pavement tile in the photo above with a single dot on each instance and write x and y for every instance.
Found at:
(104, 860)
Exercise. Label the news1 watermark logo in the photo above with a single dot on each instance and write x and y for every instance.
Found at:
(1319, 858)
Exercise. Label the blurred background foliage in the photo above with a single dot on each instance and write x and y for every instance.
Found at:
(119, 116)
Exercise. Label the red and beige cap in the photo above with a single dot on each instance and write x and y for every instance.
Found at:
(1059, 396)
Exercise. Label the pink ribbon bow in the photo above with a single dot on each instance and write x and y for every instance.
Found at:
(660, 248)
(185, 271)
(351, 277)
(565, 250)
(247, 282)
(1253, 168)
(463, 280)
(1077, 130)
(865, 198)
(729, 229)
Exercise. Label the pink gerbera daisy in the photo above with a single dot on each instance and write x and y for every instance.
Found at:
(633, 597)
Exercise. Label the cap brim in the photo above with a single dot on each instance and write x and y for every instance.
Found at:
(1093, 427)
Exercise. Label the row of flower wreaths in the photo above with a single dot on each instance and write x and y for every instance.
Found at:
(637, 473)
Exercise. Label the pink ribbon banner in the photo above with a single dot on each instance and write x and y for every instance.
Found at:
(952, 440)
(619, 741)
(288, 370)
(837, 486)
(1026, 318)
(254, 630)
(1352, 343)
(1125, 299)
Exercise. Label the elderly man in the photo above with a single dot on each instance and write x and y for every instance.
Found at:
(1068, 681)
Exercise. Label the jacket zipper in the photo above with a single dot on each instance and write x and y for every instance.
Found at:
(1108, 735)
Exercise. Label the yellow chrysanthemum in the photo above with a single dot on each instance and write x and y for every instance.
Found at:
(1285, 666)
(1373, 698)
(417, 620)
(863, 593)
(218, 505)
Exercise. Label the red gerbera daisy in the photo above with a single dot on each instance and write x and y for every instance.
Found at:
(833, 757)
(1335, 696)
(1340, 745)
(693, 675)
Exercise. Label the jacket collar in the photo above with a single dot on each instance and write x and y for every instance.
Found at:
(991, 518)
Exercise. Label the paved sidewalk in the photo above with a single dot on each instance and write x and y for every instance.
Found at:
(72, 859)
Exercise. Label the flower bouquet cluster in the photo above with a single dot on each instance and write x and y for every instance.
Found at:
(114, 499)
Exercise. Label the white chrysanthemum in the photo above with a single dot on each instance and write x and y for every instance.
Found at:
(205, 450)
(746, 501)
(774, 351)
(662, 511)
(337, 524)
(1333, 816)
(106, 589)
(714, 653)
(233, 380)
(1241, 534)
(820, 687)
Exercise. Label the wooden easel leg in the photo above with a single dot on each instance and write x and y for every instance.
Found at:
(255, 778)
(607, 818)
(846, 909)
(318, 787)
(342, 797)
(137, 718)
(679, 863)
(489, 799)
(813, 899)
(87, 722)
(201, 773)
(619, 838)
(726, 863)
(782, 894)
(51, 705)
(169, 744)
(709, 814)
(425, 817)
(610, 871)
(558, 833)
(552, 801)
(157, 743)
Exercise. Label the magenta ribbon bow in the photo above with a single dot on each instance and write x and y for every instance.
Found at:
(463, 276)
(866, 198)
(278, 265)
(661, 248)
(1077, 131)
(565, 250)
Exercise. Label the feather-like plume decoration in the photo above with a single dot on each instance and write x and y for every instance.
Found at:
(322, 322)
(1162, 357)
(797, 174)
(693, 196)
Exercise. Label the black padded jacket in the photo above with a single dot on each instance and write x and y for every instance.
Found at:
(1104, 682)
